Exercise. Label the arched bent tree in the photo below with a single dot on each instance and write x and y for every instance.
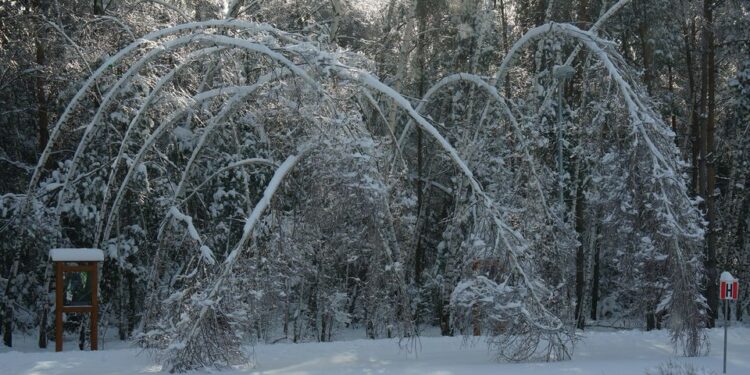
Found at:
(196, 103)
(677, 233)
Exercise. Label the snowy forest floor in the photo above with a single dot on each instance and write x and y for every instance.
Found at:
(599, 352)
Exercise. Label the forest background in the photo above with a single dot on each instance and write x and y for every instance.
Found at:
(375, 227)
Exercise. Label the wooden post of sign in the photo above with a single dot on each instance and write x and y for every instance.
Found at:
(94, 280)
(58, 306)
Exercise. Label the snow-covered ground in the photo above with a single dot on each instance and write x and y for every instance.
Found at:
(620, 352)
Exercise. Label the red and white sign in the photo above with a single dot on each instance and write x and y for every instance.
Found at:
(730, 290)
(730, 287)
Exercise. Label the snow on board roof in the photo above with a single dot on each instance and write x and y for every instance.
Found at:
(76, 255)
(727, 277)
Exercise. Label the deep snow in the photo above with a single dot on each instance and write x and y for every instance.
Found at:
(620, 352)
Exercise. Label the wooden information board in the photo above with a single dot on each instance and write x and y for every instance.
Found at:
(76, 288)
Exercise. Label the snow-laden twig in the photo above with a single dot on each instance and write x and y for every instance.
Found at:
(396, 143)
(73, 44)
(206, 254)
(236, 164)
(20, 165)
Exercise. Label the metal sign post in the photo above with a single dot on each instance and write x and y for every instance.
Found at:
(729, 290)
(726, 326)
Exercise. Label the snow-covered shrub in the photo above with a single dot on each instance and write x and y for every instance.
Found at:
(679, 368)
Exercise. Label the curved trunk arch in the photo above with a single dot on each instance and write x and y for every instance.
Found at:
(152, 55)
(240, 94)
(133, 123)
(665, 162)
(497, 98)
(543, 320)
(119, 56)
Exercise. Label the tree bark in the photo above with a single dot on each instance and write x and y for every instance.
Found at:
(122, 321)
(131, 318)
(647, 52)
(504, 25)
(40, 93)
(595, 285)
(672, 112)
(707, 167)
(421, 13)
(9, 300)
(695, 137)
(337, 13)
(43, 337)
(99, 7)
(580, 253)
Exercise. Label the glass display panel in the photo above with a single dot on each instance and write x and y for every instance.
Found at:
(77, 290)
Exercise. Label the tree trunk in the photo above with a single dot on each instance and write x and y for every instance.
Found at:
(419, 249)
(707, 168)
(650, 321)
(742, 219)
(9, 300)
(287, 309)
(45, 309)
(580, 253)
(421, 13)
(647, 52)
(402, 65)
(323, 327)
(595, 285)
(504, 25)
(711, 215)
(742, 227)
(337, 13)
(672, 112)
(99, 7)
(693, 102)
(131, 315)
(122, 320)
(41, 96)
(8, 326)
(82, 334)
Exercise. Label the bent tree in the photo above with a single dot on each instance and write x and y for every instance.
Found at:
(224, 148)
